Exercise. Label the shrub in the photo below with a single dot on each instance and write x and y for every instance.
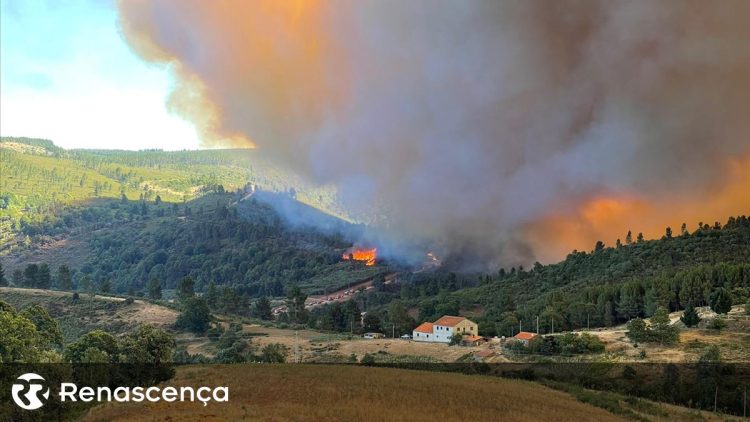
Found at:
(455, 339)
(718, 324)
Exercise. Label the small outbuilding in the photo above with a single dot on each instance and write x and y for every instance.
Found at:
(524, 337)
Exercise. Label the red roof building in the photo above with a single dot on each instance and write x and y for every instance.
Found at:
(425, 327)
(524, 337)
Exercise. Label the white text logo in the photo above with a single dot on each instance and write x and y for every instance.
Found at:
(26, 393)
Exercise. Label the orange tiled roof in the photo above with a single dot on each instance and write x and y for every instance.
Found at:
(449, 321)
(425, 327)
(472, 338)
(524, 335)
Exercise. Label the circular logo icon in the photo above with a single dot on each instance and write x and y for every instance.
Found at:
(27, 389)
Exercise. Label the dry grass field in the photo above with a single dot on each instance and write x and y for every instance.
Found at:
(140, 312)
(345, 393)
(109, 313)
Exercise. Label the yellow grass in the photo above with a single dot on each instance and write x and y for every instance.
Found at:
(350, 393)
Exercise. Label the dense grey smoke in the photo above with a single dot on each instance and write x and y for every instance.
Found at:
(465, 122)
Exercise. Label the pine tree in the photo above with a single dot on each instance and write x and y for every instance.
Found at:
(690, 317)
(640, 238)
(629, 238)
(262, 308)
(3, 281)
(721, 301)
(30, 275)
(185, 289)
(154, 288)
(43, 277)
(17, 278)
(105, 286)
(64, 281)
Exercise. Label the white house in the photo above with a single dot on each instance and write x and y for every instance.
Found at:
(444, 328)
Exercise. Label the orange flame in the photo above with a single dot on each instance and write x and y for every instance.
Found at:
(368, 256)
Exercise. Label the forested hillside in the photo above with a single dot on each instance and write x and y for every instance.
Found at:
(610, 285)
(243, 246)
(38, 179)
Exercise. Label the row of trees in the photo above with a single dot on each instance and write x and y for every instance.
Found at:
(38, 275)
(658, 331)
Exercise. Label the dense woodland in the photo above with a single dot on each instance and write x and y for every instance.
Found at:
(604, 287)
(243, 247)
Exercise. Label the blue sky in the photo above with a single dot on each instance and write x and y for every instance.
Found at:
(67, 75)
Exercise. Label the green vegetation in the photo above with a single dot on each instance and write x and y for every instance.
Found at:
(195, 315)
(659, 330)
(32, 335)
(568, 344)
(721, 301)
(244, 249)
(40, 178)
(605, 287)
(690, 317)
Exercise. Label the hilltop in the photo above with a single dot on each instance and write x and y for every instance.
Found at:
(40, 178)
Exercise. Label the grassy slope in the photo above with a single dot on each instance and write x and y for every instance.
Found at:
(106, 313)
(37, 177)
(322, 392)
(301, 392)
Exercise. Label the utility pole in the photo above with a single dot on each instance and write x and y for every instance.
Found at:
(537, 325)
(296, 346)
(588, 317)
(553, 324)
(519, 326)
(393, 333)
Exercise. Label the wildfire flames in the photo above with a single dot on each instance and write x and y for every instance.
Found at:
(368, 256)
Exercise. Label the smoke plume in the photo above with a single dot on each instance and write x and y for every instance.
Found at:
(512, 130)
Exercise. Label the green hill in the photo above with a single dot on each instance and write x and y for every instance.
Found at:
(38, 179)
(243, 246)
(605, 287)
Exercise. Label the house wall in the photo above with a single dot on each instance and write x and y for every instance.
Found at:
(420, 336)
(443, 334)
(467, 327)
